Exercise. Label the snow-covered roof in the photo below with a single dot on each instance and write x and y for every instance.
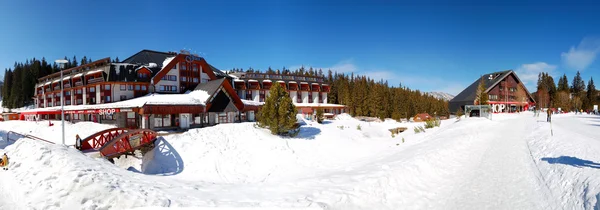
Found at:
(252, 103)
(94, 71)
(292, 81)
(252, 80)
(318, 105)
(47, 83)
(55, 81)
(267, 80)
(66, 78)
(196, 97)
(238, 80)
(78, 75)
(280, 81)
(166, 62)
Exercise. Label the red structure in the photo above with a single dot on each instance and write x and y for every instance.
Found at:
(99, 139)
(128, 142)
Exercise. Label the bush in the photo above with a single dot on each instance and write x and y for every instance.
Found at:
(402, 139)
(341, 127)
(422, 129)
(358, 127)
(279, 113)
(459, 113)
(430, 123)
(319, 116)
(438, 122)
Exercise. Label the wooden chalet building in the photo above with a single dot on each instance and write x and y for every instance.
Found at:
(163, 90)
(505, 91)
(149, 89)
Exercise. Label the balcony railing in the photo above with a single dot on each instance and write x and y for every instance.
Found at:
(95, 80)
(280, 76)
(67, 85)
(78, 83)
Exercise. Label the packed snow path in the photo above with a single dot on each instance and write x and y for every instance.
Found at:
(510, 162)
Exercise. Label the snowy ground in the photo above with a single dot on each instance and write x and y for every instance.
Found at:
(511, 162)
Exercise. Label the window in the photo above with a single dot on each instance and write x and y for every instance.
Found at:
(92, 89)
(129, 87)
(197, 119)
(137, 87)
(166, 77)
(261, 96)
(107, 99)
(172, 78)
(512, 89)
(68, 93)
(183, 78)
(493, 97)
(195, 80)
(183, 66)
(123, 87)
(68, 102)
(107, 117)
(142, 75)
(76, 116)
(79, 101)
(106, 87)
(123, 97)
(78, 91)
(175, 66)
(195, 68)
(143, 87)
(162, 120)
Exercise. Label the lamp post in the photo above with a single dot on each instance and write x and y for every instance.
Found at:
(61, 64)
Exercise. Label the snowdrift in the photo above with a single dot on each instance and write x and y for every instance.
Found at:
(46, 176)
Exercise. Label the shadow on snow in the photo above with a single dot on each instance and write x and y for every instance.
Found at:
(572, 161)
(162, 160)
(308, 132)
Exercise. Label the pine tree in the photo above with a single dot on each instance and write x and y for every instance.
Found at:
(74, 64)
(563, 83)
(279, 113)
(591, 94)
(117, 61)
(482, 96)
(578, 84)
(319, 115)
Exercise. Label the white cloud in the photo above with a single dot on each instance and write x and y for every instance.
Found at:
(582, 56)
(528, 73)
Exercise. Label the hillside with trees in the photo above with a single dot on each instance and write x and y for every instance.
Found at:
(367, 97)
(19, 81)
(575, 96)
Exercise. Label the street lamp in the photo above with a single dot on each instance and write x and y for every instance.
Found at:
(61, 64)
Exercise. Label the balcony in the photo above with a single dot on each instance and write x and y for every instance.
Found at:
(95, 80)
(66, 85)
(78, 83)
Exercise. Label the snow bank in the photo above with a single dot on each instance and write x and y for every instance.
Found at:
(46, 176)
(53, 133)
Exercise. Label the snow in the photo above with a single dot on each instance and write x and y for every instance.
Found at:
(252, 103)
(94, 71)
(318, 105)
(197, 97)
(510, 162)
(167, 61)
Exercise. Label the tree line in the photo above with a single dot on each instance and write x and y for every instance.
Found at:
(19, 81)
(298, 72)
(367, 97)
(576, 96)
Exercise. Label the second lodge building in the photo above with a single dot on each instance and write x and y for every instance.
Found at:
(167, 90)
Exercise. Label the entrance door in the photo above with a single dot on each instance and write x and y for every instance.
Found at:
(184, 121)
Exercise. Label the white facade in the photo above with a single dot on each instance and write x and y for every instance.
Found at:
(324, 94)
(294, 95)
(117, 92)
(255, 96)
(304, 96)
(172, 72)
(315, 95)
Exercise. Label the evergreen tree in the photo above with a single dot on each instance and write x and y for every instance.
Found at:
(74, 64)
(563, 83)
(117, 60)
(319, 115)
(591, 94)
(279, 113)
(578, 84)
(482, 96)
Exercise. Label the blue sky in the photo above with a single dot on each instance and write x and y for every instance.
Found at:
(431, 46)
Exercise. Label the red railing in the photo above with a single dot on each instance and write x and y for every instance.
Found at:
(128, 142)
(99, 139)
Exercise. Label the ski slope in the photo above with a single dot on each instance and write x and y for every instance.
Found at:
(510, 162)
